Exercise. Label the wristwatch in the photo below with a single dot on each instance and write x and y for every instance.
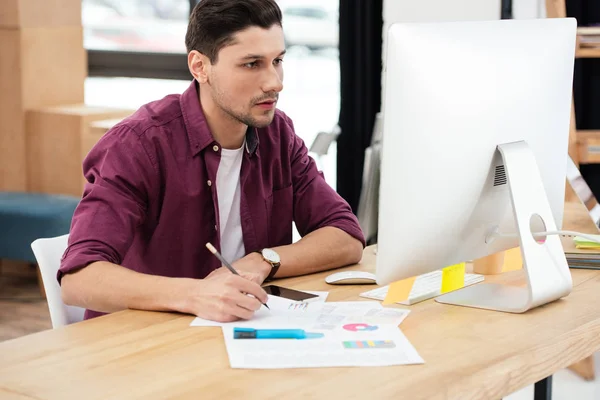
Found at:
(271, 256)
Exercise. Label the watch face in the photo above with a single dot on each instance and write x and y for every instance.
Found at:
(271, 255)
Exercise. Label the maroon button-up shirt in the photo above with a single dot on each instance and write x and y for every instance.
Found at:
(150, 203)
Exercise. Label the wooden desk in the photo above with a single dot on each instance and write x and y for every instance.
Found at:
(469, 354)
(577, 218)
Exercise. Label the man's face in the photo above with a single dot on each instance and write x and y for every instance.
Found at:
(246, 79)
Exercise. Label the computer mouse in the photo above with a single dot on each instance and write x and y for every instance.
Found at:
(351, 278)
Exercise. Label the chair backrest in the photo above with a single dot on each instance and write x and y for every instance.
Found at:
(48, 253)
(323, 140)
(368, 204)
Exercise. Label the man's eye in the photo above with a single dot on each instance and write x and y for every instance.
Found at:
(278, 61)
(252, 64)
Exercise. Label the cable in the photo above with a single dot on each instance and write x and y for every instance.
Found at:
(591, 238)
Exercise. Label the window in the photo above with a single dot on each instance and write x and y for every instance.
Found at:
(152, 26)
(136, 38)
(306, 12)
(311, 94)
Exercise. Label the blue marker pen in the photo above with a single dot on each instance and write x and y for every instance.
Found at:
(250, 333)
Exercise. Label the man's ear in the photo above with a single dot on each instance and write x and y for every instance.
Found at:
(199, 66)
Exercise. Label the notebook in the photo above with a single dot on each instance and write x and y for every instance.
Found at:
(580, 258)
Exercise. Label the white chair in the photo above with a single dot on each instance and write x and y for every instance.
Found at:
(48, 253)
(322, 142)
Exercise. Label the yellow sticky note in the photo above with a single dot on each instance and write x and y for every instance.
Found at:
(453, 277)
(399, 291)
(512, 260)
(584, 243)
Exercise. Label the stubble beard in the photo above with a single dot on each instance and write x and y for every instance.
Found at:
(247, 118)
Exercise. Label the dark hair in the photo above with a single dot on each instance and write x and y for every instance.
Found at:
(214, 22)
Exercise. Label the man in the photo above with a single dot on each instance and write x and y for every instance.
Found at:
(217, 164)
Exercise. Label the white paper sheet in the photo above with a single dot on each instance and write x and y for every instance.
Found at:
(382, 346)
(282, 312)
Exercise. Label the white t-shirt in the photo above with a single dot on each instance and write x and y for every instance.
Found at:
(228, 194)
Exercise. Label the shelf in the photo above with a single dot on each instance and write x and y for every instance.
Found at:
(588, 146)
(588, 52)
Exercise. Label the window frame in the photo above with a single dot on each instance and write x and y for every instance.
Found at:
(132, 64)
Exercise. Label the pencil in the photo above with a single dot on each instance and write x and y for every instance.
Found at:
(213, 250)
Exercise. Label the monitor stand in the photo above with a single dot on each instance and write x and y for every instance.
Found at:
(547, 273)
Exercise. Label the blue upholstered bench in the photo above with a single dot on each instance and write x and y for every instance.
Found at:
(25, 217)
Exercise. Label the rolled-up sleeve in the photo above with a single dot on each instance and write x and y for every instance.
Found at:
(120, 178)
(316, 204)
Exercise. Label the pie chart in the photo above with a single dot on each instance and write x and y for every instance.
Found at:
(359, 327)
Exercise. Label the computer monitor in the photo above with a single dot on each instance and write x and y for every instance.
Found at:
(475, 133)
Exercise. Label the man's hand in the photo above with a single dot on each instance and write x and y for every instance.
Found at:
(224, 297)
(251, 267)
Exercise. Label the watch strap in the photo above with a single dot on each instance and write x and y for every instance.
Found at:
(273, 271)
(274, 266)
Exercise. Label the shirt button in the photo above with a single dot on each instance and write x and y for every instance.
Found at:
(216, 148)
(209, 183)
(216, 229)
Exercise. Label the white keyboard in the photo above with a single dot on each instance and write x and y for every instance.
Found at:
(426, 286)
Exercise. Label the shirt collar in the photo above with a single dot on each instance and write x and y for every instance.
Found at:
(198, 132)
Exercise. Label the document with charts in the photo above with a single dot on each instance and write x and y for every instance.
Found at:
(349, 345)
(361, 333)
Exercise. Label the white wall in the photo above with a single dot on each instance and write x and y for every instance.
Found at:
(528, 9)
(438, 11)
(454, 10)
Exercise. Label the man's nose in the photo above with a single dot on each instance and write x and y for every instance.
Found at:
(273, 81)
